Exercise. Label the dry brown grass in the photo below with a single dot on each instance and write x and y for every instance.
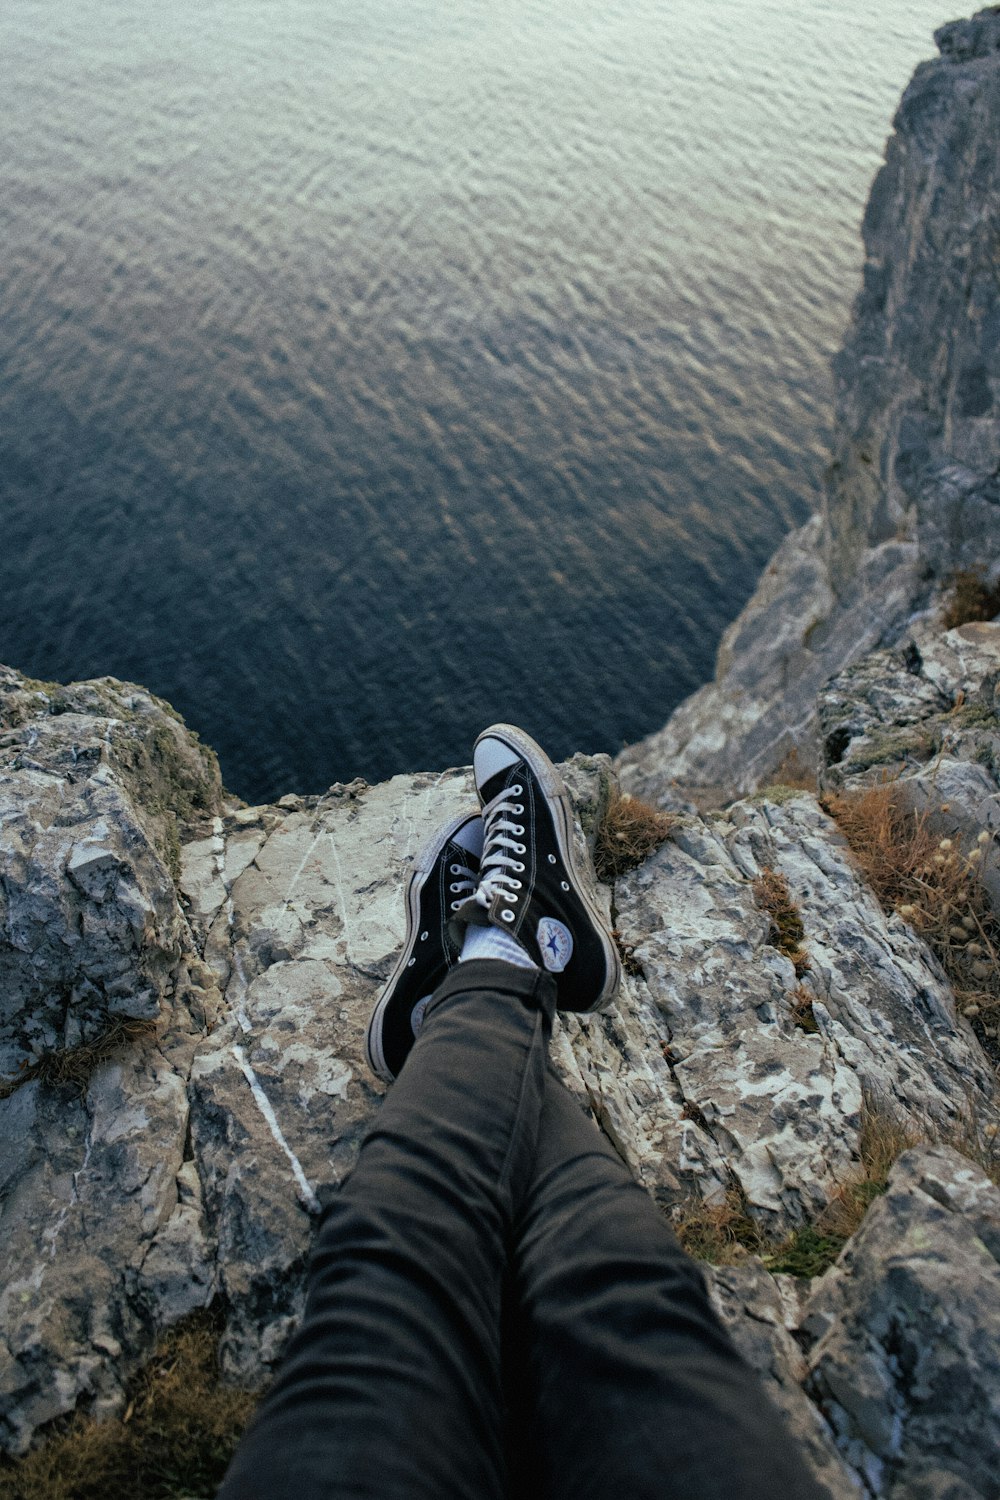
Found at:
(630, 831)
(977, 1138)
(803, 1015)
(74, 1065)
(626, 952)
(176, 1437)
(933, 883)
(771, 893)
(726, 1233)
(795, 772)
(883, 1139)
(722, 1233)
(970, 598)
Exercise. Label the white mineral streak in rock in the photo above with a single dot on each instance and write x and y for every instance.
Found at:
(263, 1103)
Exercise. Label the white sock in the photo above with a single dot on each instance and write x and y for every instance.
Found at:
(493, 942)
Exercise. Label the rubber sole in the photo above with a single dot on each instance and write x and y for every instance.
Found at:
(423, 866)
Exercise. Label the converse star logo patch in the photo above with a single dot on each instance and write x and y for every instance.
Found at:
(556, 943)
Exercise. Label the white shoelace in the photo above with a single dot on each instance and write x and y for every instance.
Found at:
(499, 867)
(463, 884)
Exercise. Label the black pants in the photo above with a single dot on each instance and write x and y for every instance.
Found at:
(497, 1309)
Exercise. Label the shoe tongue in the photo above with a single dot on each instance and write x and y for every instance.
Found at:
(496, 784)
(469, 838)
(491, 760)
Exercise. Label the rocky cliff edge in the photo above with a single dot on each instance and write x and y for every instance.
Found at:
(913, 491)
(185, 982)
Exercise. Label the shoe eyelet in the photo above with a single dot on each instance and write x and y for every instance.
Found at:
(456, 869)
(506, 916)
(517, 809)
(518, 866)
(552, 859)
(519, 829)
(517, 885)
(455, 905)
(516, 791)
(520, 849)
(564, 884)
(454, 888)
(411, 963)
(424, 936)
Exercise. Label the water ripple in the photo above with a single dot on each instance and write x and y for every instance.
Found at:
(367, 373)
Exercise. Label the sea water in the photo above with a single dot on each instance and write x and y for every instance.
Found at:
(369, 372)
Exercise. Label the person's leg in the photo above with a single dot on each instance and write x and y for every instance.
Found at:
(623, 1380)
(392, 1386)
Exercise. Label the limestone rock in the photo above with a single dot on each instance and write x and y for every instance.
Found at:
(704, 1079)
(89, 1192)
(191, 1168)
(928, 716)
(763, 1313)
(918, 380)
(898, 1346)
(907, 1360)
(93, 781)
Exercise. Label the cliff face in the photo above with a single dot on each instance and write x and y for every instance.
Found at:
(185, 983)
(918, 380)
(914, 488)
(167, 1144)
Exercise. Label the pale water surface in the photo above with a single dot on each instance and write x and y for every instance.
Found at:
(372, 371)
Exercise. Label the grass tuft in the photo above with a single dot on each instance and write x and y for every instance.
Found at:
(806, 1253)
(934, 884)
(179, 1430)
(74, 1065)
(803, 1015)
(970, 598)
(812, 1248)
(630, 831)
(796, 773)
(626, 952)
(725, 1234)
(771, 893)
(721, 1233)
(883, 1139)
(978, 1139)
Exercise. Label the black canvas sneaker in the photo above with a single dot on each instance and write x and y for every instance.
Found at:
(445, 874)
(530, 884)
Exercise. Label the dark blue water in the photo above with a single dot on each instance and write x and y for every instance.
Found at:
(371, 372)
